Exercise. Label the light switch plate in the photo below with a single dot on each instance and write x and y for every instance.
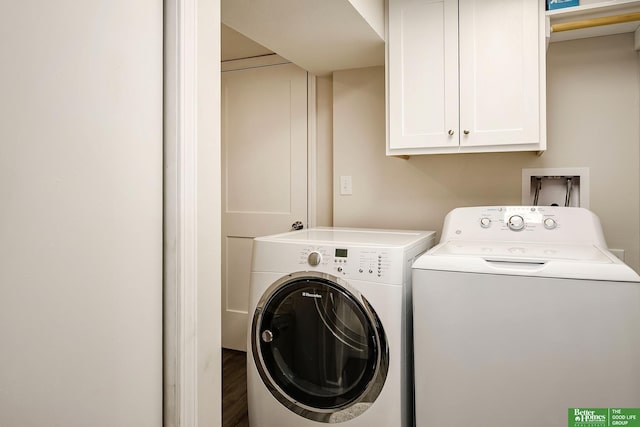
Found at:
(346, 186)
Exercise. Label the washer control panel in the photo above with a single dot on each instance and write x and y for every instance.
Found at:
(516, 218)
(523, 223)
(373, 264)
(515, 222)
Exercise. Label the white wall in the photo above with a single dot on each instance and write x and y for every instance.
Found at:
(593, 111)
(324, 151)
(81, 213)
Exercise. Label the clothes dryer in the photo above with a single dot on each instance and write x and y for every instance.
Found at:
(521, 313)
(330, 327)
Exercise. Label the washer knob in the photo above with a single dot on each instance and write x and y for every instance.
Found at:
(314, 258)
(485, 222)
(515, 222)
(550, 223)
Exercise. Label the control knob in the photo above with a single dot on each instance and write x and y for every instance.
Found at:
(550, 223)
(515, 222)
(485, 222)
(314, 258)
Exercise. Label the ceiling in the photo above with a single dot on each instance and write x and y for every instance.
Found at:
(320, 36)
(237, 46)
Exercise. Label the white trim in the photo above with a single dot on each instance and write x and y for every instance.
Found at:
(192, 214)
(171, 413)
(181, 215)
(312, 152)
(171, 371)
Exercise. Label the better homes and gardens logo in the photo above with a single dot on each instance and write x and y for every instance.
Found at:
(591, 417)
(604, 417)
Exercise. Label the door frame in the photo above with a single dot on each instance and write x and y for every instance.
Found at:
(192, 356)
(192, 211)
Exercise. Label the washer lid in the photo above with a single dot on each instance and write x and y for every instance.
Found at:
(527, 259)
(527, 251)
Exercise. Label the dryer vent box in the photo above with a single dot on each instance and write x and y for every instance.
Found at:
(555, 187)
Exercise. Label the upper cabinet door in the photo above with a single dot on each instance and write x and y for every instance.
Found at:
(422, 67)
(501, 81)
(465, 76)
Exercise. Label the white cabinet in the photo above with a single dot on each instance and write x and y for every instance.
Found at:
(465, 76)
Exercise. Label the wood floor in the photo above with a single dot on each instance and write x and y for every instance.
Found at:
(234, 389)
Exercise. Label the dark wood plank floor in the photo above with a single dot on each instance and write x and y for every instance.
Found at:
(234, 389)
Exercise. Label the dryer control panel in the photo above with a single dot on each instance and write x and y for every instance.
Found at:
(372, 255)
(371, 264)
(523, 223)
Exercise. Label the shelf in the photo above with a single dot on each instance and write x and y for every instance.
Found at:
(592, 14)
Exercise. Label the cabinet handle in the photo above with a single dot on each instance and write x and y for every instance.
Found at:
(451, 132)
(466, 131)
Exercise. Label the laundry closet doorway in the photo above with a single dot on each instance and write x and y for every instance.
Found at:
(264, 107)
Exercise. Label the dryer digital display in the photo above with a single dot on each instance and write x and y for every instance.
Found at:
(341, 253)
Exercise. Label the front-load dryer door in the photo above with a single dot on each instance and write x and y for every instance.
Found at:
(319, 347)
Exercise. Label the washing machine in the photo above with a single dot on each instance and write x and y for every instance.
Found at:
(521, 313)
(330, 329)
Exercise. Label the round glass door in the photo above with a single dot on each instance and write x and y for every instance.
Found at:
(319, 346)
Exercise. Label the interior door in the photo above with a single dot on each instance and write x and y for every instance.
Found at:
(81, 184)
(264, 174)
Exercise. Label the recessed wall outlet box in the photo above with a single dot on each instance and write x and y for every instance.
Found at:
(555, 187)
